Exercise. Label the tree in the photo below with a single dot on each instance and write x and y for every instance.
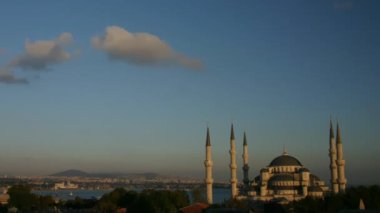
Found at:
(118, 198)
(198, 195)
(335, 202)
(80, 203)
(145, 201)
(20, 196)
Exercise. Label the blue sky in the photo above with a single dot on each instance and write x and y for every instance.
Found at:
(277, 69)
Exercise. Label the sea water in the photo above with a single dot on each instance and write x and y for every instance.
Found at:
(220, 194)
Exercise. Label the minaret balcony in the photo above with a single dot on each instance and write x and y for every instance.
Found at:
(208, 163)
(209, 180)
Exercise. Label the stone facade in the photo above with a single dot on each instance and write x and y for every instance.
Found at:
(286, 179)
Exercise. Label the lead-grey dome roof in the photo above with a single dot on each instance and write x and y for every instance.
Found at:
(314, 178)
(281, 177)
(285, 160)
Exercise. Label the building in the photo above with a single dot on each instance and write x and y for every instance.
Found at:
(285, 178)
(4, 196)
(65, 185)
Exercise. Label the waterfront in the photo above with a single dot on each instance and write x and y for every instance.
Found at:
(71, 194)
(220, 194)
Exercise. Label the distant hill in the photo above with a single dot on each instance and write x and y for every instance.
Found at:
(78, 173)
(71, 173)
(147, 176)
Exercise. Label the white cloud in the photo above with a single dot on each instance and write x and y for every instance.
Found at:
(65, 38)
(140, 48)
(40, 54)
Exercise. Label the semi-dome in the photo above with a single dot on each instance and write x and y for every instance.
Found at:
(280, 177)
(285, 160)
(314, 178)
(276, 187)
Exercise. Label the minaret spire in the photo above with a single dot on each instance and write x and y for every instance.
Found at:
(208, 141)
(338, 138)
(333, 166)
(340, 161)
(331, 130)
(232, 137)
(245, 163)
(208, 166)
(233, 164)
(245, 140)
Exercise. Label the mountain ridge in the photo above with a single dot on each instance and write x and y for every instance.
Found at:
(79, 173)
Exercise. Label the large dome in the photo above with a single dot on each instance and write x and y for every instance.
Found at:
(285, 160)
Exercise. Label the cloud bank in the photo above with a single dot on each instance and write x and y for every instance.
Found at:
(7, 77)
(38, 55)
(140, 48)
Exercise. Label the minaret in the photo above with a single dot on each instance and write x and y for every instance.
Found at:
(233, 164)
(340, 162)
(245, 162)
(208, 166)
(333, 167)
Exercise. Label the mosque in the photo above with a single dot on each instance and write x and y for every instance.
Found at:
(285, 179)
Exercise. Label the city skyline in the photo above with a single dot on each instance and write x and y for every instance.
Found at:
(132, 86)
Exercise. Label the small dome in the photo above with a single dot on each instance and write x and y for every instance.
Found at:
(285, 160)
